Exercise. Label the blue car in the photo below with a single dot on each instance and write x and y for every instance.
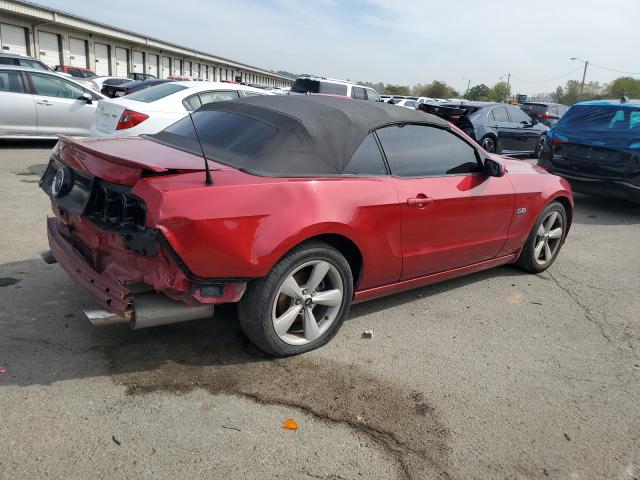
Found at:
(596, 147)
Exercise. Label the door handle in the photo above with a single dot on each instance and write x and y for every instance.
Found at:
(44, 102)
(419, 201)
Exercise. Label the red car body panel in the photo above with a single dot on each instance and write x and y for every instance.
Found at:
(242, 225)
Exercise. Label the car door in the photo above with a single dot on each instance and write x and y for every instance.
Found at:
(17, 106)
(453, 214)
(527, 137)
(507, 131)
(60, 106)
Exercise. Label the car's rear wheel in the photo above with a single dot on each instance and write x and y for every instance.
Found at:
(545, 240)
(488, 143)
(301, 303)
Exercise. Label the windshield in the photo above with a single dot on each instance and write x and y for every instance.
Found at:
(156, 92)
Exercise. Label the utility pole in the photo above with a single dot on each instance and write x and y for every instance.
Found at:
(468, 85)
(584, 75)
(508, 75)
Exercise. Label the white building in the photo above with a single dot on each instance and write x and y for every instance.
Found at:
(59, 38)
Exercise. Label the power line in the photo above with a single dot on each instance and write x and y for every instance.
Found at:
(613, 69)
(548, 79)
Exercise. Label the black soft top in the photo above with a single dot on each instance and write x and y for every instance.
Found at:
(316, 134)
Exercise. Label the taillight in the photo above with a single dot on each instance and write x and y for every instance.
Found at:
(544, 115)
(130, 119)
(557, 138)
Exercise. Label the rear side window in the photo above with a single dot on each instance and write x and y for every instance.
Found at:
(332, 88)
(11, 82)
(156, 92)
(232, 132)
(367, 160)
(8, 61)
(358, 93)
(419, 151)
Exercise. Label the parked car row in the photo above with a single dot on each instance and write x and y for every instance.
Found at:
(498, 127)
(42, 104)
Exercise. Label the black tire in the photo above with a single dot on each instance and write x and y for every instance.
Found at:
(489, 143)
(527, 260)
(257, 304)
(539, 146)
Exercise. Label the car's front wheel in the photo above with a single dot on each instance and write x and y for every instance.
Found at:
(301, 303)
(544, 241)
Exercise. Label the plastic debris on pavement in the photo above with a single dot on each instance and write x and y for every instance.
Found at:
(367, 334)
(290, 424)
(3, 370)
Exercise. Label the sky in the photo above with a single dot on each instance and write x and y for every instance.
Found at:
(394, 41)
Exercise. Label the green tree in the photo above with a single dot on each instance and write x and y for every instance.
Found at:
(570, 94)
(500, 92)
(478, 92)
(397, 89)
(437, 89)
(627, 86)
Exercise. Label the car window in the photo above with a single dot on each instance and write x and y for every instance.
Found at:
(500, 114)
(333, 88)
(221, 96)
(54, 86)
(32, 64)
(367, 160)
(246, 93)
(11, 81)
(517, 116)
(634, 119)
(419, 150)
(227, 131)
(8, 61)
(156, 92)
(372, 96)
(192, 103)
(358, 93)
(411, 103)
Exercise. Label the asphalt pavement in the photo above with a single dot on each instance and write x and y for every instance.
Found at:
(500, 374)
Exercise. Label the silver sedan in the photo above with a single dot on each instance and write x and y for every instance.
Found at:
(39, 104)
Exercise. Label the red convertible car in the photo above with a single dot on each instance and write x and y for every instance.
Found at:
(306, 204)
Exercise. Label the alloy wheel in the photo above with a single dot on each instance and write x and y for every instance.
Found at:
(308, 302)
(548, 238)
(489, 145)
(539, 147)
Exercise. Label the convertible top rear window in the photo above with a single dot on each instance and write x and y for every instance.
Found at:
(220, 132)
(156, 92)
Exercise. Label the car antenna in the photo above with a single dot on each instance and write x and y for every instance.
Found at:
(207, 173)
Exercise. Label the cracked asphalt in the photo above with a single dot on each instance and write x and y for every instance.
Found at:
(496, 375)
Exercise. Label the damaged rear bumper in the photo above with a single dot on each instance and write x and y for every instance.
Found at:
(122, 303)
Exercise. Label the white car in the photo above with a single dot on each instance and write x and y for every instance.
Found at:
(155, 108)
(36, 103)
(412, 104)
(331, 86)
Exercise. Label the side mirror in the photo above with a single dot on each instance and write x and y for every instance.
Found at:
(87, 98)
(493, 168)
